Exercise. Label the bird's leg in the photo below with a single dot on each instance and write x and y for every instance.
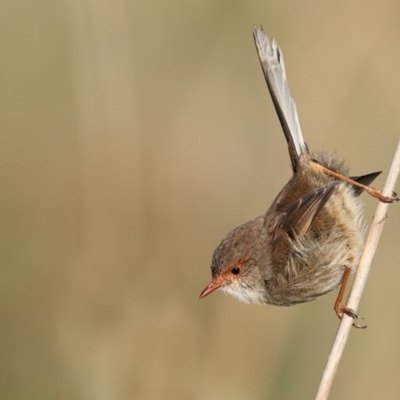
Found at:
(371, 191)
(339, 308)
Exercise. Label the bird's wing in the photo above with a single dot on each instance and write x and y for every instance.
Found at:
(299, 216)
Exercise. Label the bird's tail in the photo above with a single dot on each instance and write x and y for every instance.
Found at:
(272, 64)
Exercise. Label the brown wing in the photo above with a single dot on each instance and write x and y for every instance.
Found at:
(294, 223)
(300, 215)
(364, 180)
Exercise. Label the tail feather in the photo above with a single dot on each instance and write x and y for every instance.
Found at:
(273, 66)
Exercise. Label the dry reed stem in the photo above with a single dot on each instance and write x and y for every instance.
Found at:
(359, 280)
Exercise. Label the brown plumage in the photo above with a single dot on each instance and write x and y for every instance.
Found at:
(312, 234)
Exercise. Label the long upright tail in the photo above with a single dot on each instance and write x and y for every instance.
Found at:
(272, 64)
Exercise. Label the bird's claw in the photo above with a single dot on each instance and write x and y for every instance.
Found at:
(351, 313)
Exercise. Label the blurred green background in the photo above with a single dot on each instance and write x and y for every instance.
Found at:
(134, 135)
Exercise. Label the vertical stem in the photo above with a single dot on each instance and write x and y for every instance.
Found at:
(359, 281)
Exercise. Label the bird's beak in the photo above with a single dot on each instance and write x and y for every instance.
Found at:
(211, 287)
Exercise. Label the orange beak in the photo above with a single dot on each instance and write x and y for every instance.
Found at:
(211, 287)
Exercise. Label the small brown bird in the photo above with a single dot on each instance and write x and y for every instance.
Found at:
(310, 239)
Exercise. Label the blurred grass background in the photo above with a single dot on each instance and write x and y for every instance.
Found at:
(134, 135)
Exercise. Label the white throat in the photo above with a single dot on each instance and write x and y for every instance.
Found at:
(243, 293)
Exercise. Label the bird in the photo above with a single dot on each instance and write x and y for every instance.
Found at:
(310, 239)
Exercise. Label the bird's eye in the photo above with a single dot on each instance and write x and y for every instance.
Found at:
(235, 270)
